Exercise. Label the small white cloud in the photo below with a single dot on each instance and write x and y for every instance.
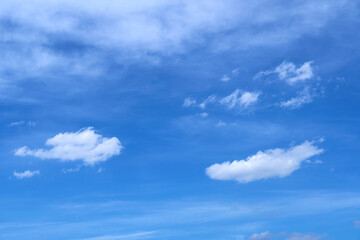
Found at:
(221, 124)
(208, 100)
(84, 145)
(188, 102)
(306, 236)
(296, 102)
(26, 174)
(204, 114)
(70, 170)
(243, 100)
(261, 236)
(263, 165)
(18, 123)
(357, 224)
(288, 72)
(225, 78)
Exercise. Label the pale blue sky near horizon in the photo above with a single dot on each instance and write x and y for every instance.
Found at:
(159, 119)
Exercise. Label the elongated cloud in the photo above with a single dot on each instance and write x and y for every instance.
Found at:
(269, 164)
(26, 174)
(84, 145)
(296, 102)
(242, 100)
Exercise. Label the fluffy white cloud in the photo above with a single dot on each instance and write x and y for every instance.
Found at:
(291, 74)
(84, 145)
(271, 163)
(243, 99)
(26, 174)
(288, 72)
(296, 102)
(306, 236)
(261, 236)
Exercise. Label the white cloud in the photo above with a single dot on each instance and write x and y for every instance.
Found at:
(26, 174)
(296, 102)
(288, 72)
(261, 236)
(126, 236)
(84, 145)
(225, 78)
(243, 100)
(221, 124)
(18, 123)
(208, 100)
(263, 165)
(306, 236)
(189, 102)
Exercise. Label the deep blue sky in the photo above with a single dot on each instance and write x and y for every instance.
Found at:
(196, 120)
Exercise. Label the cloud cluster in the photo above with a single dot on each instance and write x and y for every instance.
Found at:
(84, 145)
(26, 174)
(269, 164)
(238, 98)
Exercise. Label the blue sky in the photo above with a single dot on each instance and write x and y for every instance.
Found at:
(159, 119)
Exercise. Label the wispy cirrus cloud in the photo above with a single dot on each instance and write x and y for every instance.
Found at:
(296, 102)
(240, 99)
(84, 145)
(263, 165)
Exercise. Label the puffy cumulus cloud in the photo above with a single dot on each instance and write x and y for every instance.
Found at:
(84, 145)
(296, 102)
(306, 236)
(26, 174)
(242, 100)
(260, 236)
(269, 164)
(290, 73)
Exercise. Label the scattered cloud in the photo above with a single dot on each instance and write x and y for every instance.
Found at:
(242, 100)
(261, 236)
(208, 100)
(139, 235)
(225, 78)
(26, 174)
(290, 73)
(221, 124)
(70, 170)
(84, 145)
(18, 123)
(204, 114)
(306, 236)
(188, 102)
(263, 165)
(296, 102)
